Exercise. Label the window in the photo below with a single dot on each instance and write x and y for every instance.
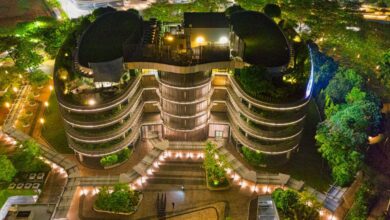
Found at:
(218, 134)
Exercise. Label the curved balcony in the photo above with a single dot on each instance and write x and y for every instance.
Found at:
(131, 89)
(130, 107)
(265, 105)
(180, 124)
(281, 148)
(106, 136)
(281, 135)
(277, 121)
(129, 139)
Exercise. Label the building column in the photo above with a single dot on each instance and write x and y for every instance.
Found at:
(249, 105)
(81, 158)
(288, 155)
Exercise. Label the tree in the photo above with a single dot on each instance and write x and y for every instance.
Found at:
(215, 165)
(342, 83)
(26, 158)
(25, 56)
(384, 70)
(272, 10)
(343, 138)
(7, 170)
(285, 200)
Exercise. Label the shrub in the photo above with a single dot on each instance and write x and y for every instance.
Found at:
(109, 160)
(363, 200)
(123, 154)
(7, 170)
(121, 199)
(26, 159)
(253, 157)
(38, 78)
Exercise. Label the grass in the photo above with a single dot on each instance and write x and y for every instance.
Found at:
(6, 193)
(54, 132)
(307, 164)
(104, 39)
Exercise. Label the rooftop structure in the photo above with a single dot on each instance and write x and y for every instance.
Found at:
(133, 79)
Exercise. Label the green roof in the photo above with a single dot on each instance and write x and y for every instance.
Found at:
(265, 43)
(104, 39)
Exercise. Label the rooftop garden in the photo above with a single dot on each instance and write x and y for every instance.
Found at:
(76, 87)
(103, 40)
(269, 48)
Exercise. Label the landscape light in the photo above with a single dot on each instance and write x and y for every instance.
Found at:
(200, 40)
(46, 104)
(51, 88)
(169, 38)
(7, 104)
(15, 89)
(42, 120)
(223, 40)
(91, 102)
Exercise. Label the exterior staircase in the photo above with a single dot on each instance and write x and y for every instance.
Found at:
(177, 173)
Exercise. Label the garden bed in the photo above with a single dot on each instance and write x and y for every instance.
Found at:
(141, 196)
(225, 185)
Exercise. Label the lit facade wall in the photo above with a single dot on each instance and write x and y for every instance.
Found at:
(185, 102)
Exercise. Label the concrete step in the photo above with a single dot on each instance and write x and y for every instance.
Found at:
(176, 173)
(177, 180)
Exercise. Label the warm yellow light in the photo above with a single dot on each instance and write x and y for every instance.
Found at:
(358, 56)
(20, 76)
(46, 104)
(15, 89)
(200, 40)
(7, 104)
(297, 39)
(377, 67)
(223, 40)
(169, 38)
(51, 88)
(91, 102)
(42, 120)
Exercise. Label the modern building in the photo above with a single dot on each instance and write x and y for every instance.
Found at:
(133, 79)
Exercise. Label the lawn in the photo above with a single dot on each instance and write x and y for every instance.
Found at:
(104, 39)
(307, 164)
(53, 131)
(5, 193)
